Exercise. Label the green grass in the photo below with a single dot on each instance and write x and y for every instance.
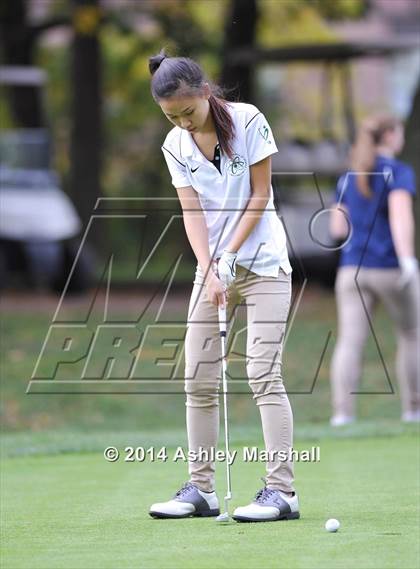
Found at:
(60, 441)
(23, 336)
(77, 510)
(64, 506)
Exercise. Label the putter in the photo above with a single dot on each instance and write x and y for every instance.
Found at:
(222, 327)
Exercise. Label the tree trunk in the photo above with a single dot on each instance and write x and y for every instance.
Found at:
(240, 31)
(86, 110)
(17, 42)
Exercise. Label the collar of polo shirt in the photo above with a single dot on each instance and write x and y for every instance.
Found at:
(190, 150)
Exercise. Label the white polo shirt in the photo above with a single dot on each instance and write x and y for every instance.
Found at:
(224, 195)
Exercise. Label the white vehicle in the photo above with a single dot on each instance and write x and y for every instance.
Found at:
(38, 222)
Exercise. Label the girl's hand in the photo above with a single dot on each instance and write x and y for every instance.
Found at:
(216, 290)
(409, 269)
(226, 267)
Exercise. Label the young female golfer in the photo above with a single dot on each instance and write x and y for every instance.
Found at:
(377, 263)
(218, 155)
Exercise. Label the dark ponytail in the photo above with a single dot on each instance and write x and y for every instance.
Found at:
(155, 61)
(222, 120)
(183, 76)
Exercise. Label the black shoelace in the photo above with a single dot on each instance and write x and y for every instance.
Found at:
(263, 494)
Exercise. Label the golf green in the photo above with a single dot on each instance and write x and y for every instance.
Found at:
(78, 510)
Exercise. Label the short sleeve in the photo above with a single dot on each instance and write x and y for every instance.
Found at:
(177, 169)
(401, 177)
(259, 138)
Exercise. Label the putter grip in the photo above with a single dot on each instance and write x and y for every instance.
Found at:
(222, 320)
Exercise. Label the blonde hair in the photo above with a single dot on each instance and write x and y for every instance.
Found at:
(363, 152)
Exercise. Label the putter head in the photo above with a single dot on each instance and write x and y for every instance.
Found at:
(223, 518)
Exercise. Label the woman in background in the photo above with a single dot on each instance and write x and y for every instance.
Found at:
(373, 214)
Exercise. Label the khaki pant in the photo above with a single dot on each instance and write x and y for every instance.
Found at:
(354, 318)
(267, 301)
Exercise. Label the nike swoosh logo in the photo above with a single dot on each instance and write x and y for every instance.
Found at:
(195, 170)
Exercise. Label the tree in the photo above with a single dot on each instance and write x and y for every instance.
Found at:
(86, 111)
(18, 39)
(18, 42)
(240, 32)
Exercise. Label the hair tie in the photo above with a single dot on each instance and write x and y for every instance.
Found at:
(156, 61)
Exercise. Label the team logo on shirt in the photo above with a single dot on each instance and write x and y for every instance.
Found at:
(237, 166)
(264, 132)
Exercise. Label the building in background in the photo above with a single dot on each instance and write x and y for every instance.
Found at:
(390, 84)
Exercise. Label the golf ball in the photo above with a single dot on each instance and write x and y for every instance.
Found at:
(332, 525)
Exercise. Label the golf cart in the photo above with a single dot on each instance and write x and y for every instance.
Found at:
(39, 225)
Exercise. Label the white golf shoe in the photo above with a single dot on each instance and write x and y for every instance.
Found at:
(269, 505)
(341, 420)
(411, 416)
(188, 501)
